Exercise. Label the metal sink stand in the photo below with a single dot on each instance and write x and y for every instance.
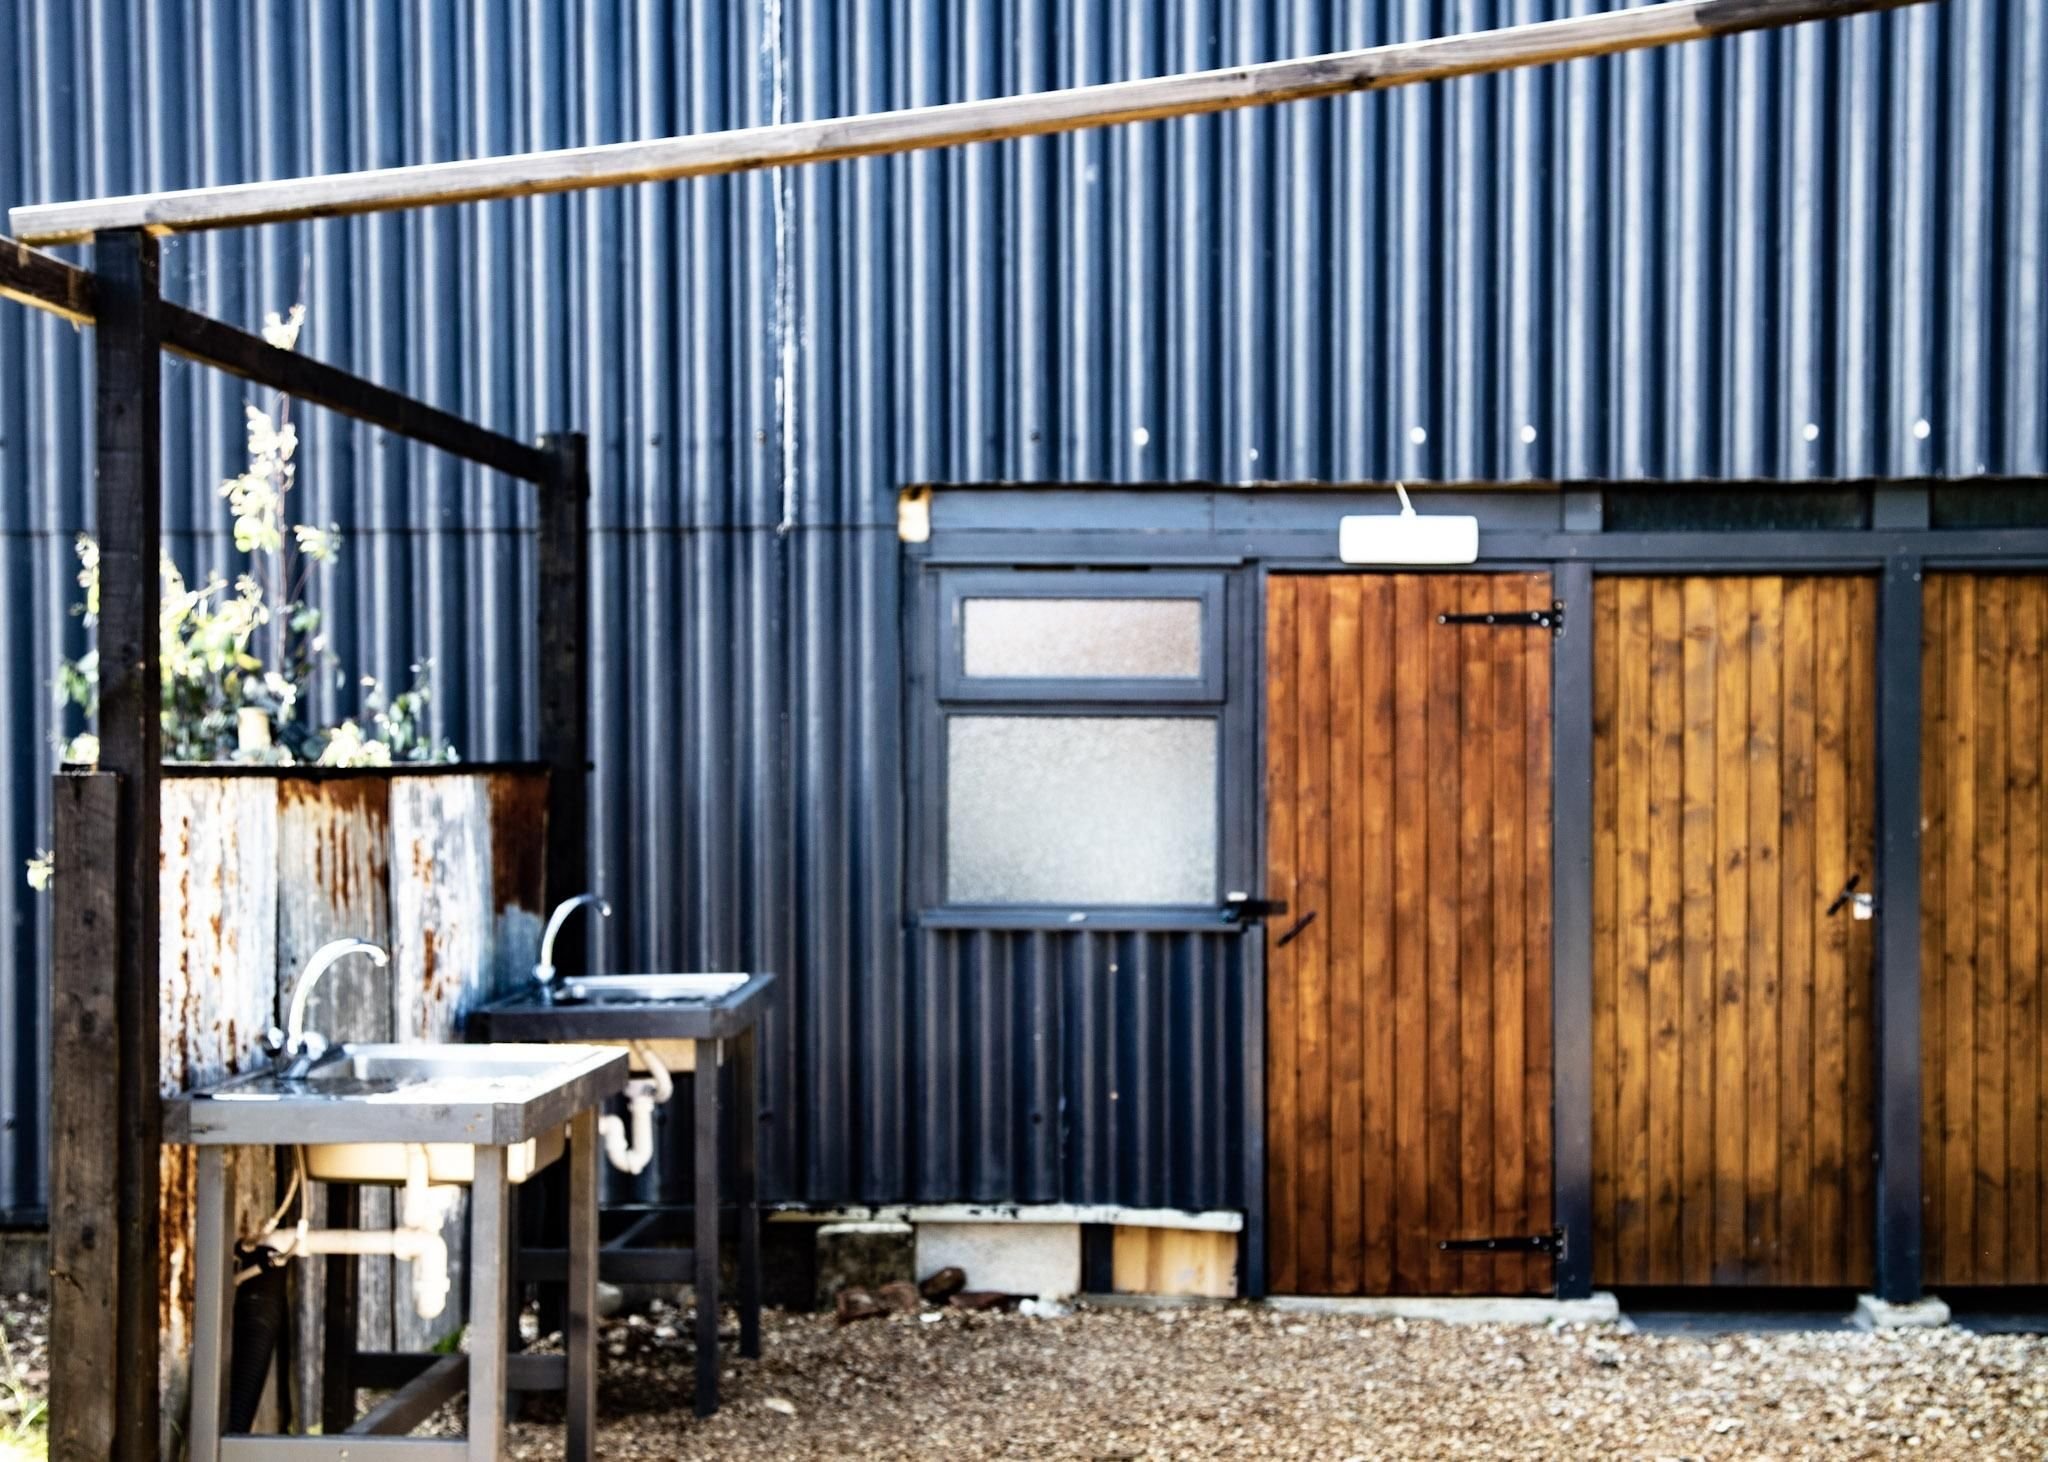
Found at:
(723, 1027)
(419, 1384)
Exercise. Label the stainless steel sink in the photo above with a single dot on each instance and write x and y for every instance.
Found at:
(665, 1016)
(602, 988)
(360, 1107)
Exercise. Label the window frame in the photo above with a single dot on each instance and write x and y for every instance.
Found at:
(938, 692)
(955, 684)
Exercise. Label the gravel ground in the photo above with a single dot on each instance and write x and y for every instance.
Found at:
(1240, 1381)
(1245, 1382)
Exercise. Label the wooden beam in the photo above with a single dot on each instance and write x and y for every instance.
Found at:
(210, 342)
(45, 282)
(84, 1219)
(129, 504)
(562, 625)
(49, 283)
(415, 1401)
(990, 120)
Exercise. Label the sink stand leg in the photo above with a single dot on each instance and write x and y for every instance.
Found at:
(746, 1196)
(489, 1236)
(213, 1284)
(579, 1333)
(705, 1084)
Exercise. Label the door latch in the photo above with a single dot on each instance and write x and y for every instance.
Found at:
(1861, 906)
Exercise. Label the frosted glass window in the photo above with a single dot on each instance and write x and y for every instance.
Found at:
(1081, 810)
(1083, 639)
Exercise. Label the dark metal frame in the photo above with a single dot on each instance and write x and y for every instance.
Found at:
(955, 684)
(1252, 533)
(933, 643)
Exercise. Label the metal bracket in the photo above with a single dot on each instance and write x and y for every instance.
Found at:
(1551, 1243)
(1241, 908)
(1551, 619)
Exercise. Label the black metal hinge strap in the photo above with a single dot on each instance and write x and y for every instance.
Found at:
(1550, 1243)
(1551, 619)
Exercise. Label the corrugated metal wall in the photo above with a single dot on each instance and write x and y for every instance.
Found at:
(1801, 255)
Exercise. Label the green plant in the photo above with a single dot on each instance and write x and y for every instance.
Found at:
(24, 1433)
(240, 660)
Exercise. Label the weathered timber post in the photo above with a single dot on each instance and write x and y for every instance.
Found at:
(84, 1187)
(564, 639)
(107, 867)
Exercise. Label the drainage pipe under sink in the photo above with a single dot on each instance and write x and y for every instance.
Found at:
(643, 1095)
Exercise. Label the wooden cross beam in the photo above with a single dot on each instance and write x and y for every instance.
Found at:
(836, 139)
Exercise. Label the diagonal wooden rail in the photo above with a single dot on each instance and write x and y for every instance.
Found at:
(49, 283)
(836, 139)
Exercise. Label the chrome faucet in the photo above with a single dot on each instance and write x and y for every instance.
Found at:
(295, 1049)
(544, 970)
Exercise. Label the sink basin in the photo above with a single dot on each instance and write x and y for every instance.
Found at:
(665, 1014)
(361, 1106)
(606, 989)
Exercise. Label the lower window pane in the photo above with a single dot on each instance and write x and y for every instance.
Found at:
(1081, 810)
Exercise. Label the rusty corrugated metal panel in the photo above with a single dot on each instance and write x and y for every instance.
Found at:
(218, 974)
(1773, 257)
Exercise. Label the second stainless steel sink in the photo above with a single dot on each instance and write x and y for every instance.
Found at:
(640, 988)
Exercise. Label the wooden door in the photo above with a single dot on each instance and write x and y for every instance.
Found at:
(1984, 884)
(1734, 769)
(1408, 985)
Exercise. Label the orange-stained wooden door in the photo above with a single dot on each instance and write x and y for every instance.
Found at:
(1734, 753)
(1408, 1068)
(1983, 957)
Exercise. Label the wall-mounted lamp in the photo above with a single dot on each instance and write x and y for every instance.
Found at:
(1407, 537)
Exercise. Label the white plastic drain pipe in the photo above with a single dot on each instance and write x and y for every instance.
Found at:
(643, 1095)
(417, 1239)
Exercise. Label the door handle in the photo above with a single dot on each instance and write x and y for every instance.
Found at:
(1861, 906)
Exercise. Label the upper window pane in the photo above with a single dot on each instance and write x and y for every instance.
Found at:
(1115, 810)
(1082, 639)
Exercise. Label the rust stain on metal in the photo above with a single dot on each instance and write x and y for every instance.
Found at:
(519, 839)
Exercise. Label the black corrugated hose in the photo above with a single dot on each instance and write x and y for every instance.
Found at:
(261, 1313)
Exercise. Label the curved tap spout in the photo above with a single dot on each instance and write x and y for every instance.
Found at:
(299, 1048)
(544, 969)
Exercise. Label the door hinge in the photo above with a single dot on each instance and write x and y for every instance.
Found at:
(1551, 619)
(1551, 1243)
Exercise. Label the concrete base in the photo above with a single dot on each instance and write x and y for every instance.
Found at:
(1873, 1313)
(1041, 1259)
(1598, 1309)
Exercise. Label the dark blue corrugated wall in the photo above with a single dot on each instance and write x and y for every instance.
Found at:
(1812, 254)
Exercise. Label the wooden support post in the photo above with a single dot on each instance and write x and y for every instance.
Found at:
(84, 1191)
(1571, 924)
(1898, 932)
(564, 637)
(129, 497)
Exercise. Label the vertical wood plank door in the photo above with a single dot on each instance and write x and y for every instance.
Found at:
(1408, 985)
(1984, 884)
(1734, 745)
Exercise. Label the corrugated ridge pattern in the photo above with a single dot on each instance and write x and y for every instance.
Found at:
(1663, 265)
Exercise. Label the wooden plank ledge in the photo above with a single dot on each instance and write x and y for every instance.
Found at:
(993, 119)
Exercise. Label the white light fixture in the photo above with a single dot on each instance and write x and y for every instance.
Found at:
(1407, 537)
